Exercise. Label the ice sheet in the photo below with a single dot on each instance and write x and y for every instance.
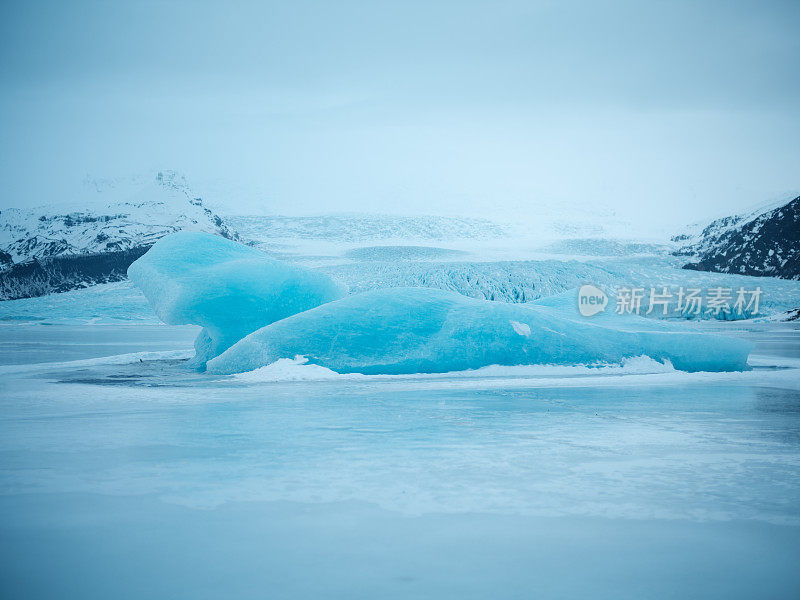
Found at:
(129, 477)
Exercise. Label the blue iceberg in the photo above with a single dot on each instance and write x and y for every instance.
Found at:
(228, 288)
(419, 330)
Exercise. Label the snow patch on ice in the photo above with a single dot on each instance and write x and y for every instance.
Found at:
(298, 369)
(521, 328)
(292, 369)
(635, 365)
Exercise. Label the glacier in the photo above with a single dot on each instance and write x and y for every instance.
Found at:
(524, 281)
(419, 330)
(226, 287)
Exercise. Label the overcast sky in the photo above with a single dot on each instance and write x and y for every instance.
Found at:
(672, 110)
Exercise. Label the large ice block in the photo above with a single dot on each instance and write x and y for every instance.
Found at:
(228, 288)
(418, 330)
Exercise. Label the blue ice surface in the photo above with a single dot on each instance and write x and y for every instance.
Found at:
(227, 288)
(419, 330)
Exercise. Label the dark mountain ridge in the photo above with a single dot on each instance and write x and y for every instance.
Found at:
(762, 245)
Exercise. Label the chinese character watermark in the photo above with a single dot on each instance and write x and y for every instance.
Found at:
(719, 302)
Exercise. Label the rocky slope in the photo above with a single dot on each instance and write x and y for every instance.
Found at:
(764, 244)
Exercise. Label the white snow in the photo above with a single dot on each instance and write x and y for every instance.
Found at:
(291, 369)
(115, 216)
(521, 328)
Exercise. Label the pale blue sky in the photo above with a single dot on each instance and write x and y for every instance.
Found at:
(671, 109)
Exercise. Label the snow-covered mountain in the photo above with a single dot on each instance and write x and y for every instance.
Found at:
(92, 240)
(760, 243)
(115, 215)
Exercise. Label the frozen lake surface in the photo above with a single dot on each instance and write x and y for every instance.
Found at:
(127, 476)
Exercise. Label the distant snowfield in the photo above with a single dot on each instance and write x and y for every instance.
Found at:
(342, 239)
